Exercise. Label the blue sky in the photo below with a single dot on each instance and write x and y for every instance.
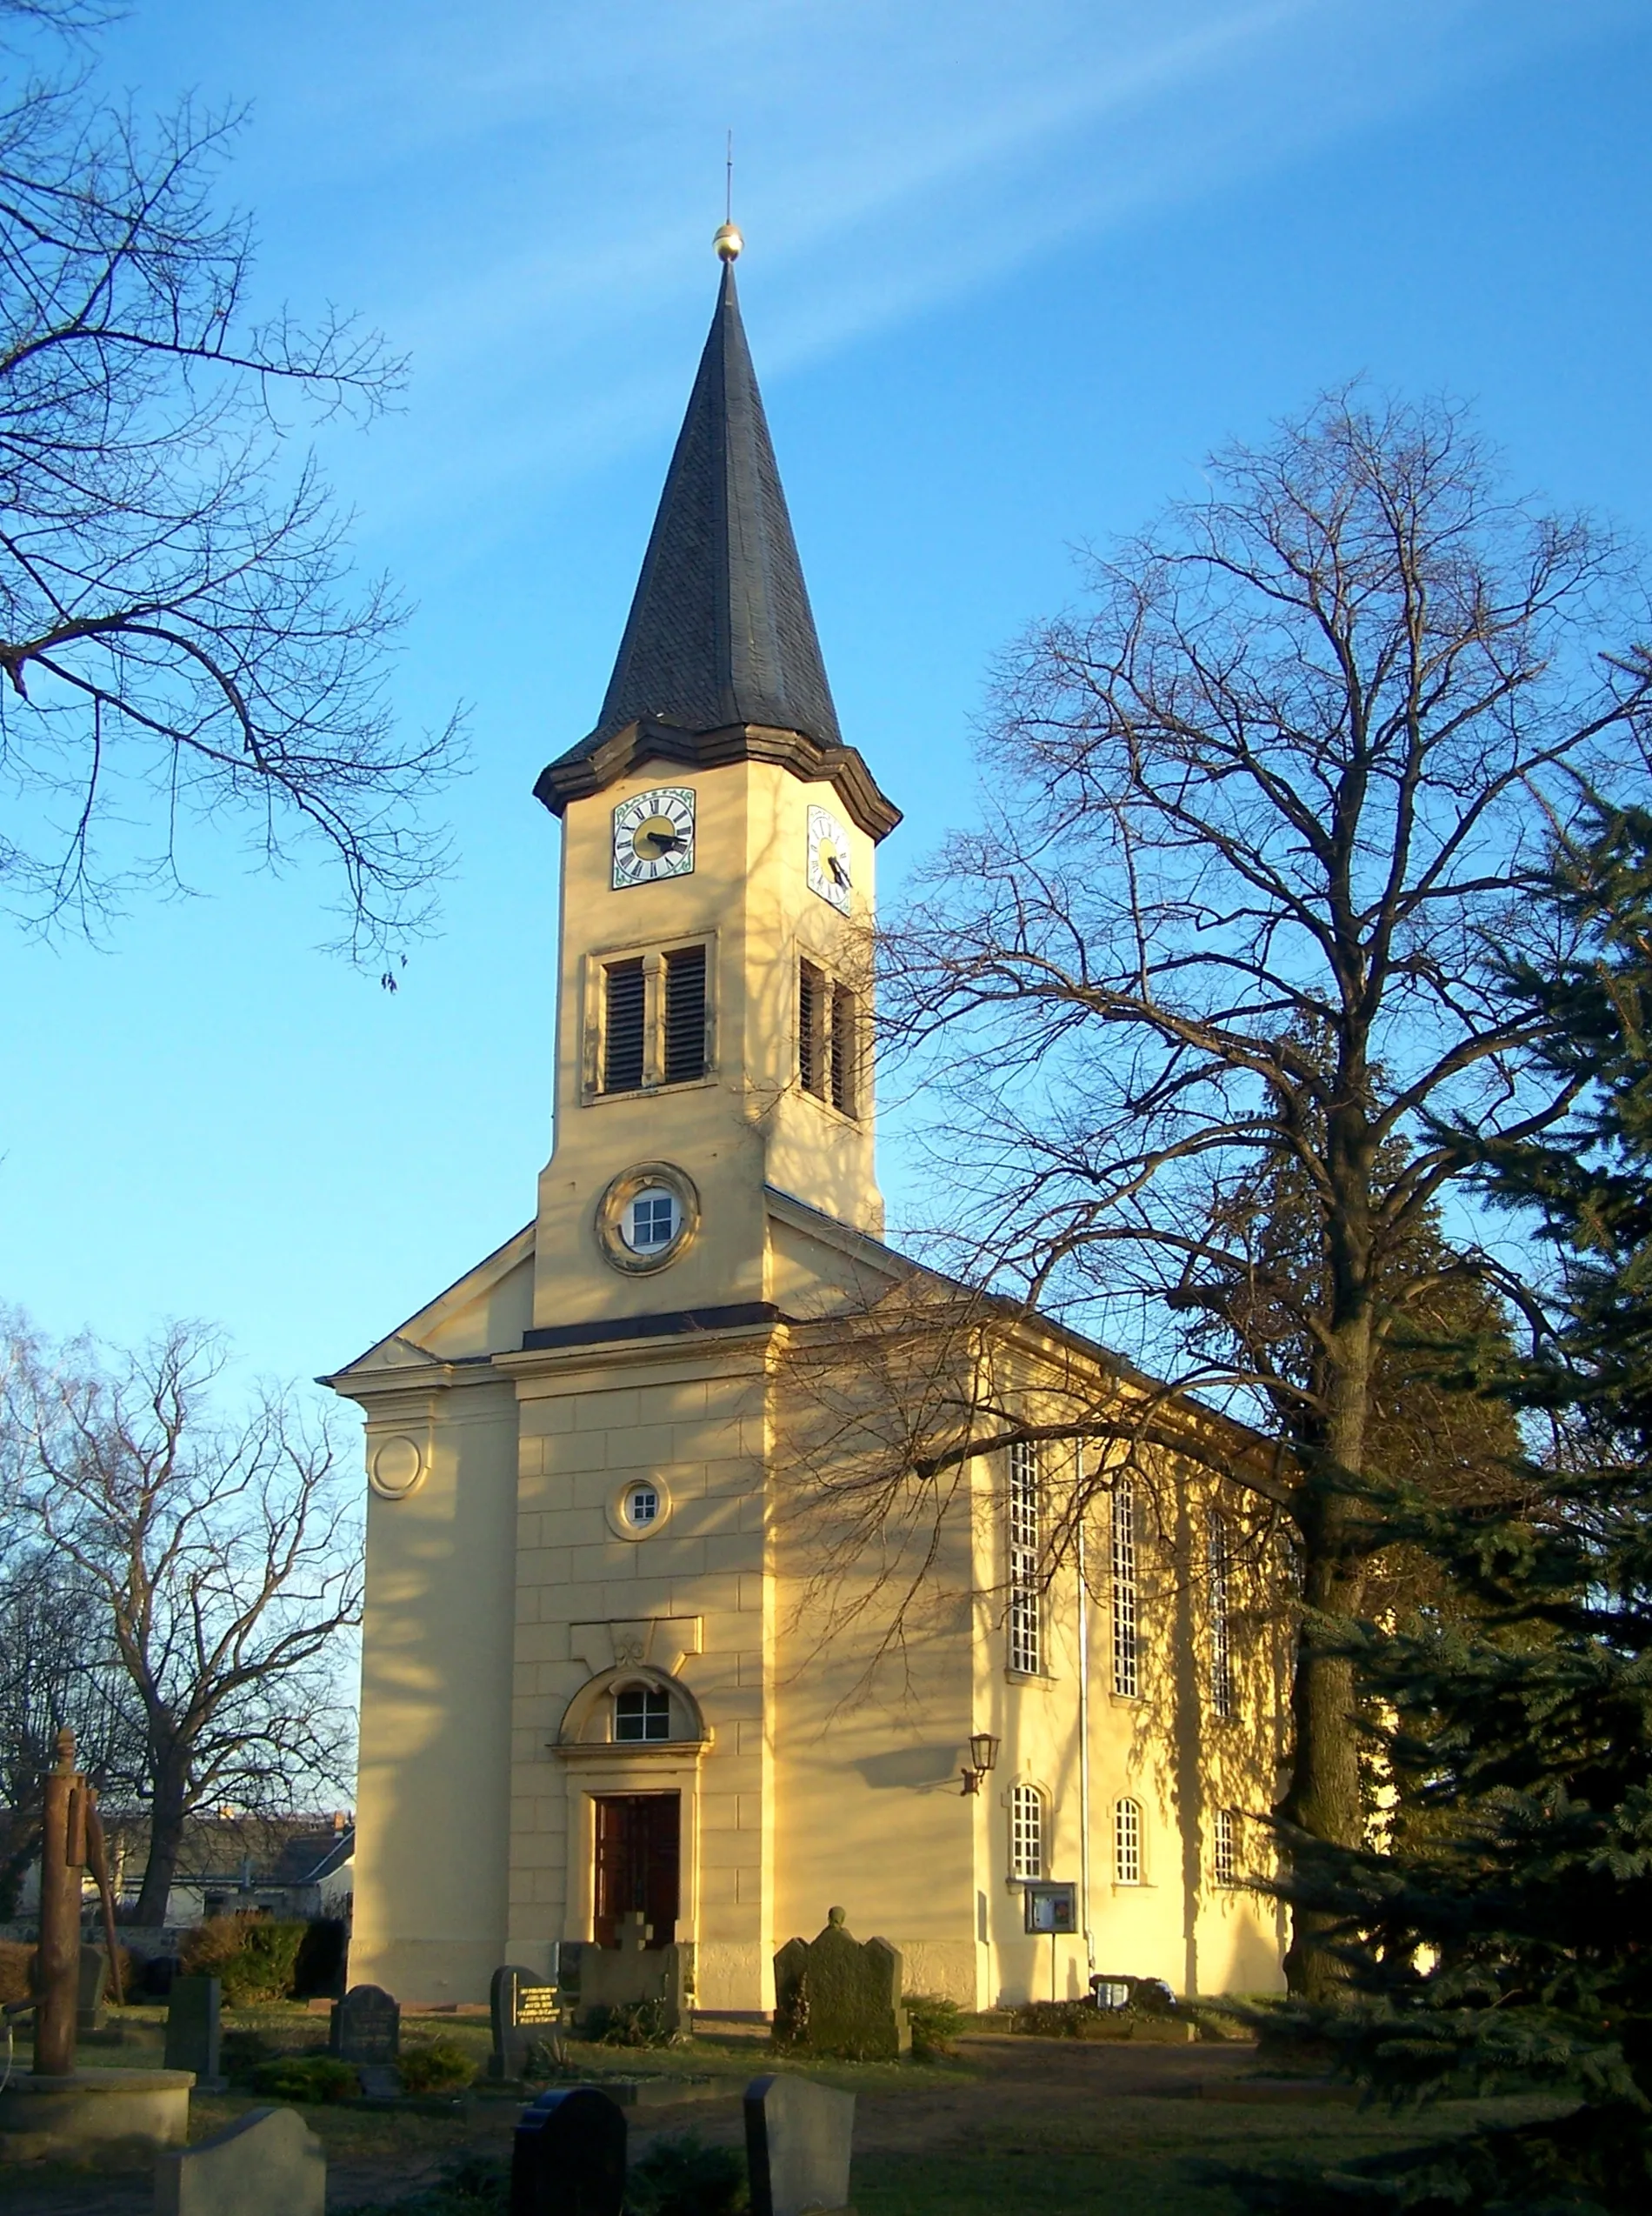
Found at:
(1011, 272)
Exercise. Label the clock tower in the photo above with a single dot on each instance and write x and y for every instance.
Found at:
(714, 1037)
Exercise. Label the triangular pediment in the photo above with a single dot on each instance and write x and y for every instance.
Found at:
(483, 1312)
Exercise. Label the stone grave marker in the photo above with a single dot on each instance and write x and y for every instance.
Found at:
(799, 2138)
(523, 2008)
(834, 1996)
(365, 2026)
(632, 1972)
(192, 2031)
(267, 2163)
(90, 2013)
(568, 2158)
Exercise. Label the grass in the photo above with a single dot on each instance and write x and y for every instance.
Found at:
(1095, 2154)
(1142, 2158)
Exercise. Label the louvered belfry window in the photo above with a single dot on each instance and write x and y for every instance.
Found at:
(654, 1023)
(684, 1014)
(811, 1045)
(827, 1039)
(842, 1045)
(625, 993)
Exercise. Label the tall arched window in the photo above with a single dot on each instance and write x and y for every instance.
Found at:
(1127, 1676)
(1127, 1843)
(1026, 1627)
(1026, 1831)
(1220, 1555)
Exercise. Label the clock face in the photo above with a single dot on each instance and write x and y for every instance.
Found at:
(828, 864)
(653, 836)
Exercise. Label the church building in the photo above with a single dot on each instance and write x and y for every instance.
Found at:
(605, 1665)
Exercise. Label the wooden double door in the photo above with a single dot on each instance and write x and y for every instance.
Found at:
(639, 1854)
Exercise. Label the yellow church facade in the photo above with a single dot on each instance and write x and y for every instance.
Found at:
(626, 1646)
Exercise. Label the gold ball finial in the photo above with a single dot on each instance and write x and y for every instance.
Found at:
(728, 243)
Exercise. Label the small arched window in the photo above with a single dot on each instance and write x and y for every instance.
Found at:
(1026, 1831)
(641, 1712)
(1127, 1843)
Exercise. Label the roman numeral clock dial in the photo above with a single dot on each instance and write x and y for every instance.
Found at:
(829, 872)
(653, 836)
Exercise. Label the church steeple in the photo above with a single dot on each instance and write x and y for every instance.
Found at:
(719, 659)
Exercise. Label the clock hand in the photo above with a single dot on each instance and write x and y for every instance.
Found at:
(837, 869)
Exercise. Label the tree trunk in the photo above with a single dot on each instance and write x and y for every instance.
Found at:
(1324, 1797)
(166, 1844)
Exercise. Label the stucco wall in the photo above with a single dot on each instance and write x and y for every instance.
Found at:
(433, 1799)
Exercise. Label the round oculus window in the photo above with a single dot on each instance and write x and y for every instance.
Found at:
(638, 1507)
(648, 1217)
(652, 1220)
(641, 1506)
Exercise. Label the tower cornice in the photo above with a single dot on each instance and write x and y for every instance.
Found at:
(592, 768)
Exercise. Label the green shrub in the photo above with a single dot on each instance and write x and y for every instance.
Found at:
(319, 1971)
(630, 2023)
(253, 1957)
(936, 2023)
(241, 2053)
(307, 2077)
(683, 2177)
(16, 1971)
(1072, 2019)
(435, 2066)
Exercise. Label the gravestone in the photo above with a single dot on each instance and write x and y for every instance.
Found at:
(834, 1996)
(799, 2138)
(89, 2015)
(569, 2157)
(365, 2026)
(192, 2031)
(523, 2008)
(267, 2163)
(632, 1972)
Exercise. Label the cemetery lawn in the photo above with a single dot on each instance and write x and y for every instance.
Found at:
(1055, 2126)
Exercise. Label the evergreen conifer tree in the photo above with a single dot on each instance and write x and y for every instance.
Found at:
(1508, 1945)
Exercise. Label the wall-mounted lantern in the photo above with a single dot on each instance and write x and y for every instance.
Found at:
(983, 1756)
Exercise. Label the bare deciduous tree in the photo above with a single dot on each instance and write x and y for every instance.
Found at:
(1254, 817)
(57, 1666)
(222, 1558)
(179, 636)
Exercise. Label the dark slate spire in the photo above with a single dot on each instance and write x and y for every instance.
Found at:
(720, 637)
(720, 631)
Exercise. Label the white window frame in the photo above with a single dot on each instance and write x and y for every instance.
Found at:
(1127, 1632)
(1027, 1827)
(1024, 1542)
(1219, 1558)
(1224, 1848)
(1130, 1830)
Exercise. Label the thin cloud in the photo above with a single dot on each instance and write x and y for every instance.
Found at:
(893, 157)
